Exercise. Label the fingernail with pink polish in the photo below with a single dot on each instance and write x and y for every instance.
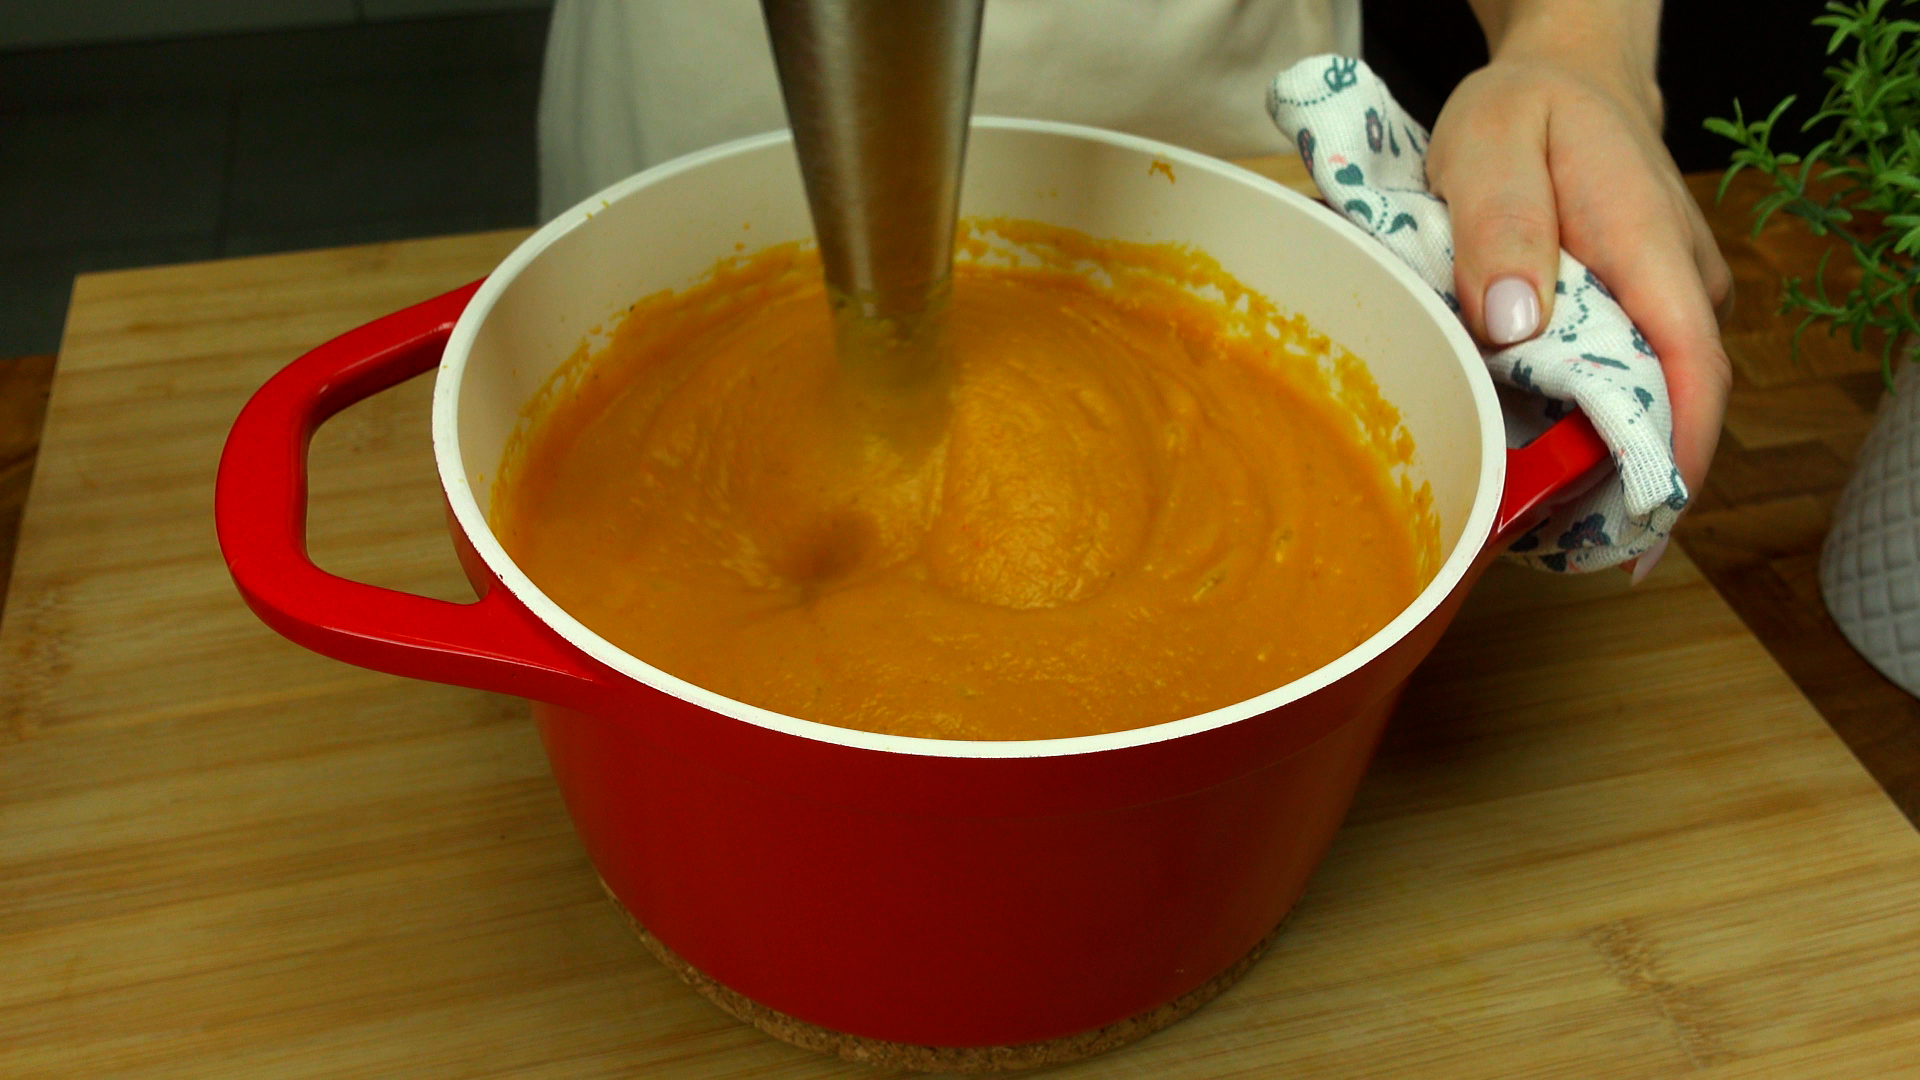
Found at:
(1512, 311)
(1644, 564)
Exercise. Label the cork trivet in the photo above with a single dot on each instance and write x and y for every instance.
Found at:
(882, 1054)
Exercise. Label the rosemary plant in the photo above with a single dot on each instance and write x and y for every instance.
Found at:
(1861, 183)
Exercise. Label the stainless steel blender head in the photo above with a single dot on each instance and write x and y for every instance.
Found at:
(878, 93)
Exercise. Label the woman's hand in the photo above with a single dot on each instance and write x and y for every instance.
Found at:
(1556, 143)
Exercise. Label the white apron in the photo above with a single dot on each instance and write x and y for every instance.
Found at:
(631, 83)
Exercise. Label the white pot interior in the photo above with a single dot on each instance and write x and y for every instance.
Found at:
(665, 228)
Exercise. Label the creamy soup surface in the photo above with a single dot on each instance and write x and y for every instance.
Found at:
(1144, 494)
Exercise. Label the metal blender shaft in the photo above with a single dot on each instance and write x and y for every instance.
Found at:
(878, 93)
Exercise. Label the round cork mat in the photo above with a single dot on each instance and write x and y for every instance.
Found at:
(943, 1059)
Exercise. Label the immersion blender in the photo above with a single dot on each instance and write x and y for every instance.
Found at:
(878, 93)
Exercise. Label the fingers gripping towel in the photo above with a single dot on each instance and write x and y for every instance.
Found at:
(1369, 159)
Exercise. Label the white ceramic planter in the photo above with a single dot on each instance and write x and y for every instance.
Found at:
(1870, 565)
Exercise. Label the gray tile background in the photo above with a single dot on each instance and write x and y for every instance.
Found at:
(36, 23)
(146, 153)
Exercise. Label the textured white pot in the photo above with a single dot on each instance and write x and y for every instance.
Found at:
(1870, 565)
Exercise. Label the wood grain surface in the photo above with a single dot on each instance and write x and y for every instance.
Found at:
(1606, 836)
(1794, 425)
(24, 383)
(1756, 530)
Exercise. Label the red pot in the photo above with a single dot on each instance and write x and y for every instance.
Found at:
(941, 893)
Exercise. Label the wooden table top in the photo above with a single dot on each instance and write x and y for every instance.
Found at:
(1605, 836)
(1793, 428)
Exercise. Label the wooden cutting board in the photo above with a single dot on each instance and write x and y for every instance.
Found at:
(1606, 836)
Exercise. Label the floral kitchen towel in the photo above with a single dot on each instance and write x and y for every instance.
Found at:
(1369, 159)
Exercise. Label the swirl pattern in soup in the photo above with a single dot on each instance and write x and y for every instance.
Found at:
(1141, 495)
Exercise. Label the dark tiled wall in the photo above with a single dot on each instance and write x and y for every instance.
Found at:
(129, 155)
(34, 23)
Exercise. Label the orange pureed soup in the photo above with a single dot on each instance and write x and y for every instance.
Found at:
(1147, 495)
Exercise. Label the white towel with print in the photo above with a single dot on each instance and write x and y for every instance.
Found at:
(1369, 159)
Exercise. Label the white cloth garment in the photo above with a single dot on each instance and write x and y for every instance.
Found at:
(1369, 159)
(632, 83)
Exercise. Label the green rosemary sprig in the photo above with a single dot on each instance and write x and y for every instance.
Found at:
(1868, 170)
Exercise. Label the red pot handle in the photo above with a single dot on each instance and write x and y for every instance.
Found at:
(1542, 469)
(260, 511)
